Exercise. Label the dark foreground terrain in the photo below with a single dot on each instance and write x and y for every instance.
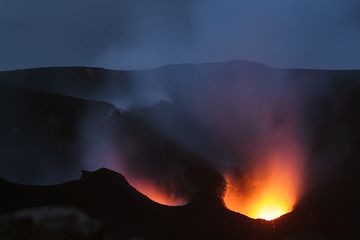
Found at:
(40, 142)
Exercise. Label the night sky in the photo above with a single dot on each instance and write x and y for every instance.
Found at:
(128, 34)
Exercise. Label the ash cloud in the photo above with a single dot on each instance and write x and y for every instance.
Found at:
(222, 113)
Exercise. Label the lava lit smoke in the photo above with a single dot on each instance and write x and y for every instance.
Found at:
(270, 183)
(256, 119)
(243, 119)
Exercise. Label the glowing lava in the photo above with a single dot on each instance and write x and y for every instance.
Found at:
(270, 189)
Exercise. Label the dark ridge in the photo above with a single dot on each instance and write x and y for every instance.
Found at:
(107, 196)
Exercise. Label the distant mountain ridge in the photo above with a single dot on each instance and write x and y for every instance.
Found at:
(93, 83)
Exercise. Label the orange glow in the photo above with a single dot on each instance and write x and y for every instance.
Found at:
(271, 188)
(157, 194)
(151, 188)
